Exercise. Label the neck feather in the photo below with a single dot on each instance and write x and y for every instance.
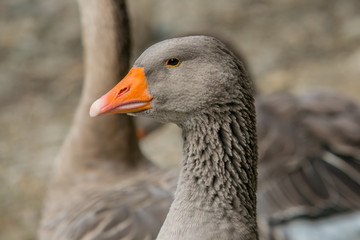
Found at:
(218, 175)
(220, 157)
(106, 142)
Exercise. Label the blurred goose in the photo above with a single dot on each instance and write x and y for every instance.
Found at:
(309, 157)
(102, 186)
(197, 83)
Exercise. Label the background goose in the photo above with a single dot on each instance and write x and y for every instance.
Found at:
(102, 186)
(197, 83)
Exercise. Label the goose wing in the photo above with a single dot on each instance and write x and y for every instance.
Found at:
(309, 154)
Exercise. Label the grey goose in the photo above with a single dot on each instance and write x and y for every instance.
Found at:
(102, 187)
(197, 83)
(298, 177)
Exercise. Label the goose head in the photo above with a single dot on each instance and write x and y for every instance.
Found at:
(177, 78)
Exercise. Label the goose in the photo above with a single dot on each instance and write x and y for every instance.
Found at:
(198, 84)
(303, 170)
(102, 186)
(309, 158)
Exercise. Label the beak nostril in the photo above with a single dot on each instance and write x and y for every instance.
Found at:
(122, 91)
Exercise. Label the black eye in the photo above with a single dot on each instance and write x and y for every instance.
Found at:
(173, 62)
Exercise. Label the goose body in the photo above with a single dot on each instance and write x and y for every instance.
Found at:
(102, 186)
(197, 83)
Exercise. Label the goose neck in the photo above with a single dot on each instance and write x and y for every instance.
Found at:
(217, 183)
(107, 144)
(220, 158)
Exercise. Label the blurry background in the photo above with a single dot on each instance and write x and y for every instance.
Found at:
(289, 45)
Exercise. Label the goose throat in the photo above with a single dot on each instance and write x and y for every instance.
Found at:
(219, 154)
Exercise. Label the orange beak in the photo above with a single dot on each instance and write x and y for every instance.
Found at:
(129, 95)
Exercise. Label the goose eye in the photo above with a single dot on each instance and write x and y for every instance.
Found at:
(173, 62)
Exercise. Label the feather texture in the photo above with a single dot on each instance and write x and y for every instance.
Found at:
(130, 209)
(309, 155)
